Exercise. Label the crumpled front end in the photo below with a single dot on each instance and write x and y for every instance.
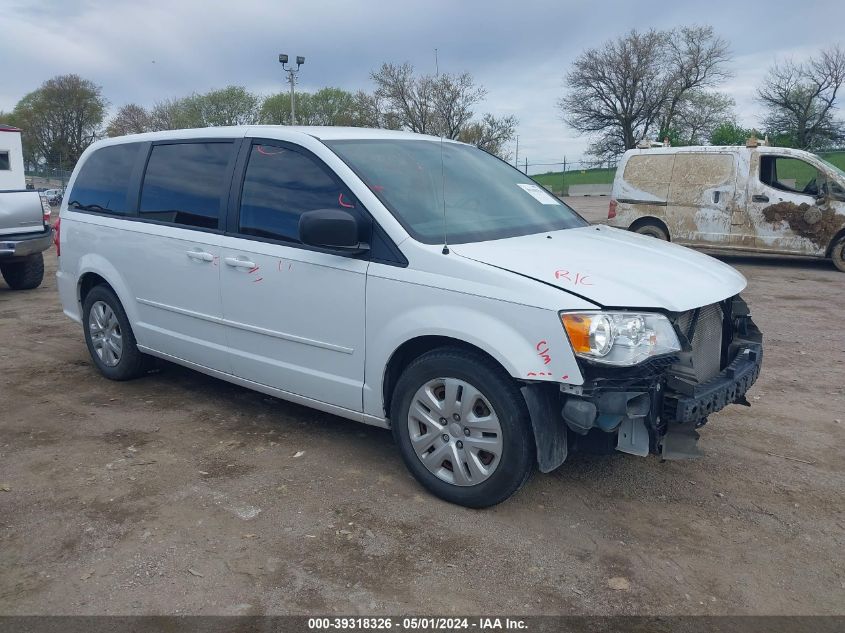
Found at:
(658, 406)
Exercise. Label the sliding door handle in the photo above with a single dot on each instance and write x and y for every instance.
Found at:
(235, 262)
(200, 256)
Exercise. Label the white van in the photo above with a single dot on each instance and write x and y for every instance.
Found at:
(402, 281)
(758, 199)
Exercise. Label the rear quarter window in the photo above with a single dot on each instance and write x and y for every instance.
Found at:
(102, 183)
(650, 173)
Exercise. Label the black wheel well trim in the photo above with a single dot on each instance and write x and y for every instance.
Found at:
(87, 282)
(650, 219)
(836, 238)
(412, 349)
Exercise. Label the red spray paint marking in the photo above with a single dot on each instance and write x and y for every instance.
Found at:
(343, 203)
(565, 377)
(376, 187)
(281, 265)
(580, 280)
(253, 269)
(216, 260)
(257, 279)
(261, 150)
(539, 373)
(543, 349)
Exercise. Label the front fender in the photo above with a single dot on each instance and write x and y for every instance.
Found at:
(528, 342)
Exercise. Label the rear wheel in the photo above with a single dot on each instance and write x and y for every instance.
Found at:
(462, 427)
(837, 254)
(25, 274)
(109, 336)
(652, 229)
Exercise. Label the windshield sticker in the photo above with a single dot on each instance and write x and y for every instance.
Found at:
(538, 193)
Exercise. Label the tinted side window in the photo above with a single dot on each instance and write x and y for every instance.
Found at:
(185, 183)
(279, 185)
(4, 161)
(102, 182)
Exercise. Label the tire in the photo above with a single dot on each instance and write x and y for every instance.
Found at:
(126, 363)
(25, 274)
(837, 254)
(484, 478)
(652, 230)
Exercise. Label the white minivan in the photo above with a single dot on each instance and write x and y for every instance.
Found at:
(404, 281)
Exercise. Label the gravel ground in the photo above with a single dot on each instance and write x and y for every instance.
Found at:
(179, 493)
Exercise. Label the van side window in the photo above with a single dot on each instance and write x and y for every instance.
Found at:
(280, 185)
(789, 174)
(5, 164)
(102, 183)
(185, 184)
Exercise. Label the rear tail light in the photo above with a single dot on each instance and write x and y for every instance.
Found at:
(57, 231)
(611, 209)
(45, 210)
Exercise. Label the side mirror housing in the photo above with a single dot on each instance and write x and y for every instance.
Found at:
(334, 229)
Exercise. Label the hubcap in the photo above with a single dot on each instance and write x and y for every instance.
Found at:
(104, 329)
(464, 452)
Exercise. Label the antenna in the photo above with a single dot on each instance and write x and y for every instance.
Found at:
(443, 182)
(436, 64)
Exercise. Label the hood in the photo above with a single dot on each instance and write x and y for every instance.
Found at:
(613, 268)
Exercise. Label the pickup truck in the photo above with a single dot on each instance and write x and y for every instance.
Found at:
(25, 230)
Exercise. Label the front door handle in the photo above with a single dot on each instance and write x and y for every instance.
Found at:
(201, 256)
(759, 198)
(239, 263)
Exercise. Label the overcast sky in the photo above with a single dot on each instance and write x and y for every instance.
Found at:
(143, 51)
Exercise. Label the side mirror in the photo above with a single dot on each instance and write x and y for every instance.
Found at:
(334, 229)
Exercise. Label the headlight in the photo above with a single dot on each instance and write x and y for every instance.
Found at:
(619, 338)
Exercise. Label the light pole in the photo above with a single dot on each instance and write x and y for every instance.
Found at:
(292, 73)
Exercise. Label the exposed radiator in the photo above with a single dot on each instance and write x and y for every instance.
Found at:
(706, 340)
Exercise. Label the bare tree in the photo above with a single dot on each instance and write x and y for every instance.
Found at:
(410, 99)
(454, 97)
(429, 104)
(491, 134)
(632, 86)
(800, 99)
(696, 59)
(129, 119)
(698, 114)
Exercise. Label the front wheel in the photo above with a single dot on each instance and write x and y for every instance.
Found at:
(462, 427)
(837, 254)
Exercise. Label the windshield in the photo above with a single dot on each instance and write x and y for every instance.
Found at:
(485, 198)
(833, 168)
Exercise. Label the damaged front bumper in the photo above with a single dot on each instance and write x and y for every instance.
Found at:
(657, 406)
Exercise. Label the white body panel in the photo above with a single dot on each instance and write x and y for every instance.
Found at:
(320, 329)
(10, 143)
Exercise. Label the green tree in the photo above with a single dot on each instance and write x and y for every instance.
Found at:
(60, 119)
(730, 133)
(232, 105)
